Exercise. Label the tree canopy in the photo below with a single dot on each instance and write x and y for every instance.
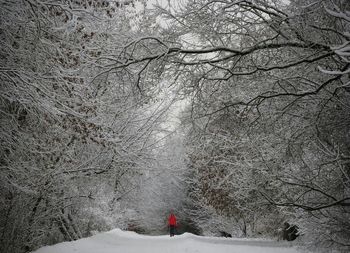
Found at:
(87, 142)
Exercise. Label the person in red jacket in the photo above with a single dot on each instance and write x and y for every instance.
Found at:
(172, 223)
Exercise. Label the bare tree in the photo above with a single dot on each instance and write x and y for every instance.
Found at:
(282, 70)
(73, 139)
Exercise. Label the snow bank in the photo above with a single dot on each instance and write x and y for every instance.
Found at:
(129, 242)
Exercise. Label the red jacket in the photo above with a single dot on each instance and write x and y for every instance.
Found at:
(172, 220)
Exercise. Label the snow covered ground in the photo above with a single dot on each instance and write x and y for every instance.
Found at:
(129, 242)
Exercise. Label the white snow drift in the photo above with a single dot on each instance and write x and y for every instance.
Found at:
(130, 242)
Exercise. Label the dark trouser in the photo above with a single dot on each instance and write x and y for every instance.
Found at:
(172, 230)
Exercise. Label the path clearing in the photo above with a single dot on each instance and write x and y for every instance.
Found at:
(116, 241)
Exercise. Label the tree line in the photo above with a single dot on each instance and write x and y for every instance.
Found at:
(264, 137)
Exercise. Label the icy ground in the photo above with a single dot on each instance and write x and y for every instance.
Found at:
(118, 241)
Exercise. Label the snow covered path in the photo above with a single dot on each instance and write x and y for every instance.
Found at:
(116, 241)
